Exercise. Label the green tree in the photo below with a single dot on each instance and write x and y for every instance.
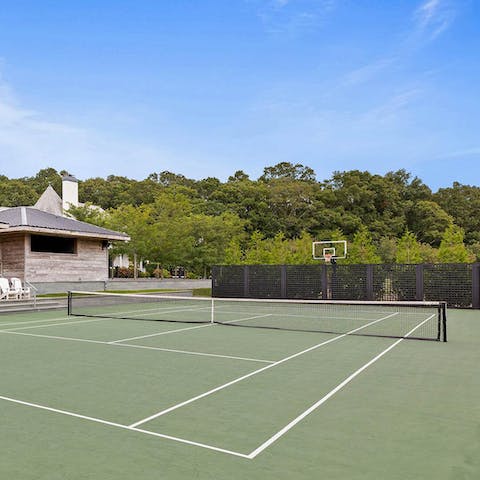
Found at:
(250, 201)
(292, 204)
(257, 251)
(138, 223)
(15, 193)
(233, 253)
(44, 178)
(167, 179)
(239, 176)
(428, 253)
(287, 170)
(362, 249)
(474, 248)
(88, 213)
(301, 250)
(387, 249)
(358, 198)
(408, 249)
(462, 202)
(452, 248)
(210, 238)
(428, 221)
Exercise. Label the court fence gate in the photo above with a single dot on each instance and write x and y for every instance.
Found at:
(458, 284)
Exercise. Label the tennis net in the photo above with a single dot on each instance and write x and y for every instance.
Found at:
(419, 320)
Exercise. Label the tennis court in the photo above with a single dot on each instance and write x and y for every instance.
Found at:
(107, 393)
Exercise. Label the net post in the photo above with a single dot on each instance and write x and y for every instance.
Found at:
(69, 303)
(444, 320)
(212, 311)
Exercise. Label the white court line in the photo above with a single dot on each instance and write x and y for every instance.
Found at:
(330, 394)
(247, 318)
(54, 324)
(119, 425)
(161, 333)
(33, 321)
(73, 339)
(186, 352)
(183, 329)
(193, 353)
(251, 374)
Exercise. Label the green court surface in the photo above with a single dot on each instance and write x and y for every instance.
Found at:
(111, 398)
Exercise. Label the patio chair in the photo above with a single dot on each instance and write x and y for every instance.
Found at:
(3, 289)
(19, 288)
(7, 291)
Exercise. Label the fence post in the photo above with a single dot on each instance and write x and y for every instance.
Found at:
(283, 281)
(324, 282)
(476, 285)
(245, 281)
(419, 283)
(369, 274)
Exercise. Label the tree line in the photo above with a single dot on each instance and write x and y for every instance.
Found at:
(174, 220)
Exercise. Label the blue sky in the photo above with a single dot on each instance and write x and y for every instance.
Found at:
(207, 87)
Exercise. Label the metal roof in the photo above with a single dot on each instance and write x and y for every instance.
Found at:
(32, 219)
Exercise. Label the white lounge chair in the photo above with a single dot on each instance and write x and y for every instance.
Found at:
(17, 287)
(3, 289)
(7, 290)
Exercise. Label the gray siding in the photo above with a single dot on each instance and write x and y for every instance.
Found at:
(12, 255)
(88, 264)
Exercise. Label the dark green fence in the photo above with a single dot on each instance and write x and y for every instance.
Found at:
(456, 284)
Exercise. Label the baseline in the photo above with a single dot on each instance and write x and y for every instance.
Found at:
(119, 425)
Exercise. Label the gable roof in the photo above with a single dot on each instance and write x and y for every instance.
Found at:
(50, 202)
(30, 219)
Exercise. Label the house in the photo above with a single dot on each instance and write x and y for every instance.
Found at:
(41, 244)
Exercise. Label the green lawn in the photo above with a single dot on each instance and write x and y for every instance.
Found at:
(216, 402)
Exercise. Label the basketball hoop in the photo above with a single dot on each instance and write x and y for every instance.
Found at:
(329, 250)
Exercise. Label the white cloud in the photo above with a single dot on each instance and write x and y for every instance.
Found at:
(433, 17)
(393, 108)
(367, 72)
(293, 18)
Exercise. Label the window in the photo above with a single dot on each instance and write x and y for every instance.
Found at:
(45, 243)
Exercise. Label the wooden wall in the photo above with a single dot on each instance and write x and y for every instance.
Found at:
(12, 255)
(89, 263)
